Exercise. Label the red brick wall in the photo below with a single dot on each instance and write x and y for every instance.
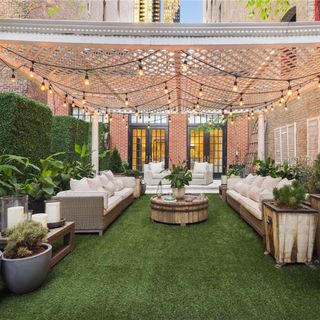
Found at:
(119, 135)
(178, 138)
(298, 111)
(55, 103)
(237, 140)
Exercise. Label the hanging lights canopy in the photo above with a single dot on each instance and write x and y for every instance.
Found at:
(206, 78)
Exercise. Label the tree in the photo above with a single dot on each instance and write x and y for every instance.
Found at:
(267, 9)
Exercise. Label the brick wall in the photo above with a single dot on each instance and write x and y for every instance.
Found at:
(237, 140)
(178, 138)
(119, 135)
(298, 111)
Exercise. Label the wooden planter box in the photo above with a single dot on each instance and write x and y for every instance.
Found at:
(315, 204)
(290, 233)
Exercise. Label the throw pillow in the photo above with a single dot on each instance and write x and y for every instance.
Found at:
(109, 188)
(238, 186)
(79, 185)
(200, 167)
(258, 181)
(284, 182)
(118, 184)
(250, 178)
(109, 174)
(254, 193)
(269, 183)
(94, 183)
(156, 167)
(103, 179)
(245, 189)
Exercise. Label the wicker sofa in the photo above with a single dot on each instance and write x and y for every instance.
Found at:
(92, 205)
(245, 196)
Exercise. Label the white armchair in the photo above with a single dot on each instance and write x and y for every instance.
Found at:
(154, 172)
(202, 173)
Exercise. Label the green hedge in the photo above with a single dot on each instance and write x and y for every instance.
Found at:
(66, 132)
(25, 127)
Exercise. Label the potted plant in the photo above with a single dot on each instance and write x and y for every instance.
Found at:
(233, 172)
(289, 225)
(179, 177)
(26, 259)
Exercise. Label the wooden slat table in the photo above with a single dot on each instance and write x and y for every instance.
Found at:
(66, 233)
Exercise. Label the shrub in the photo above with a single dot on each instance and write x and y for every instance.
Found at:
(314, 180)
(266, 168)
(115, 161)
(290, 196)
(25, 239)
(68, 131)
(25, 127)
(180, 175)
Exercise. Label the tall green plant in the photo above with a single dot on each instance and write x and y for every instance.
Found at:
(290, 196)
(180, 176)
(266, 168)
(115, 161)
(314, 180)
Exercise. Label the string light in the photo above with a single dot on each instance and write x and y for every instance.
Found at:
(252, 113)
(185, 65)
(148, 125)
(230, 112)
(241, 101)
(110, 117)
(141, 73)
(13, 77)
(166, 88)
(72, 103)
(86, 79)
(235, 85)
(198, 104)
(126, 100)
(136, 113)
(248, 115)
(222, 114)
(194, 110)
(298, 95)
(319, 82)
(200, 91)
(65, 100)
(123, 118)
(280, 103)
(84, 98)
(282, 97)
(289, 92)
(169, 99)
(50, 89)
(169, 118)
(285, 107)
(43, 86)
(272, 107)
(266, 108)
(232, 122)
(32, 70)
(126, 125)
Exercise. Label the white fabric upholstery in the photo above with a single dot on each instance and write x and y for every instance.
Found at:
(232, 181)
(270, 183)
(254, 193)
(128, 182)
(110, 188)
(157, 175)
(109, 174)
(153, 178)
(118, 184)
(124, 193)
(252, 207)
(196, 175)
(200, 167)
(94, 183)
(79, 185)
(250, 178)
(233, 194)
(284, 182)
(238, 186)
(156, 167)
(245, 189)
(113, 202)
(265, 195)
(258, 181)
(103, 179)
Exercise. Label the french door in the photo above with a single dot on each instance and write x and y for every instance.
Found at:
(147, 145)
(208, 146)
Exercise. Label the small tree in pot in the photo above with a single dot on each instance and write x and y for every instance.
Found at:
(179, 177)
(26, 259)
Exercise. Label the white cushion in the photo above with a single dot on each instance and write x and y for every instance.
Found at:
(231, 182)
(156, 167)
(113, 202)
(103, 179)
(197, 175)
(250, 178)
(109, 174)
(254, 193)
(94, 183)
(124, 193)
(265, 195)
(118, 184)
(238, 186)
(109, 188)
(233, 194)
(245, 189)
(284, 182)
(252, 207)
(270, 183)
(79, 185)
(158, 175)
(258, 181)
(200, 167)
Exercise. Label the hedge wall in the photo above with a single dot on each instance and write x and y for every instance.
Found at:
(66, 132)
(25, 127)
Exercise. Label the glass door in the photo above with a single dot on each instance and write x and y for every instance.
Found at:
(158, 145)
(139, 148)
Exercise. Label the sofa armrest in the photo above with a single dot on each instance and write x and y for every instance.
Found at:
(128, 182)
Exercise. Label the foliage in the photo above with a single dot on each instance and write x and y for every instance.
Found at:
(179, 176)
(25, 127)
(233, 171)
(290, 196)
(130, 172)
(314, 181)
(290, 171)
(24, 239)
(267, 8)
(213, 124)
(115, 161)
(266, 168)
(66, 133)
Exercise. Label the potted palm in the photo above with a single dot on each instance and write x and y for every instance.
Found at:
(179, 177)
(290, 225)
(26, 259)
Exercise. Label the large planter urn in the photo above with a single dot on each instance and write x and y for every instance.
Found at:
(26, 274)
(315, 204)
(290, 233)
(178, 193)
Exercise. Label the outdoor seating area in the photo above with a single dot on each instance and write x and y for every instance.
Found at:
(155, 165)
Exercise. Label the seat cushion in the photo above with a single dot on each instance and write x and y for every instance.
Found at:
(113, 202)
(197, 175)
(118, 183)
(233, 194)
(124, 193)
(200, 167)
(252, 207)
(79, 185)
(109, 188)
(94, 183)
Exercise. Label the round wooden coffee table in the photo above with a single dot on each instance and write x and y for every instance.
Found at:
(191, 209)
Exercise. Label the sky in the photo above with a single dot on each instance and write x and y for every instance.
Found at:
(191, 11)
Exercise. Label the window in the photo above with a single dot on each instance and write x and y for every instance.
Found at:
(313, 138)
(202, 119)
(80, 114)
(285, 143)
(149, 118)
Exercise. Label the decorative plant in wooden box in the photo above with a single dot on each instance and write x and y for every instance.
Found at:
(290, 225)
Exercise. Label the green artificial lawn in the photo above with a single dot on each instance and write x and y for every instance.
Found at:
(145, 270)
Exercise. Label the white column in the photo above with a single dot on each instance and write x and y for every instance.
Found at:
(95, 142)
(261, 137)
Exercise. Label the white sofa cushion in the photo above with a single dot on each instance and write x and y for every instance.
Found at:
(79, 185)
(94, 183)
(156, 167)
(245, 189)
(233, 194)
(103, 179)
(250, 178)
(109, 174)
(128, 182)
(258, 181)
(118, 184)
(269, 183)
(284, 182)
(265, 195)
(124, 193)
(158, 175)
(238, 186)
(200, 167)
(254, 193)
(110, 188)
(252, 206)
(113, 202)
(231, 182)
(197, 175)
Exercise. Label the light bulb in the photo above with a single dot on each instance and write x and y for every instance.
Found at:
(110, 118)
(241, 101)
(141, 73)
(13, 77)
(235, 85)
(298, 95)
(198, 105)
(43, 86)
(72, 103)
(166, 89)
(32, 70)
(185, 65)
(230, 112)
(50, 89)
(169, 99)
(248, 116)
(319, 82)
(123, 118)
(200, 92)
(126, 101)
(86, 79)
(272, 108)
(289, 92)
(84, 98)
(282, 97)
(65, 103)
(136, 113)
(265, 109)
(286, 107)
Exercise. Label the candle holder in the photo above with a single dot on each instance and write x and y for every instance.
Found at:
(9, 202)
(159, 190)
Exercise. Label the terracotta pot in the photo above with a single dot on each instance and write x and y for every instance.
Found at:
(178, 193)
